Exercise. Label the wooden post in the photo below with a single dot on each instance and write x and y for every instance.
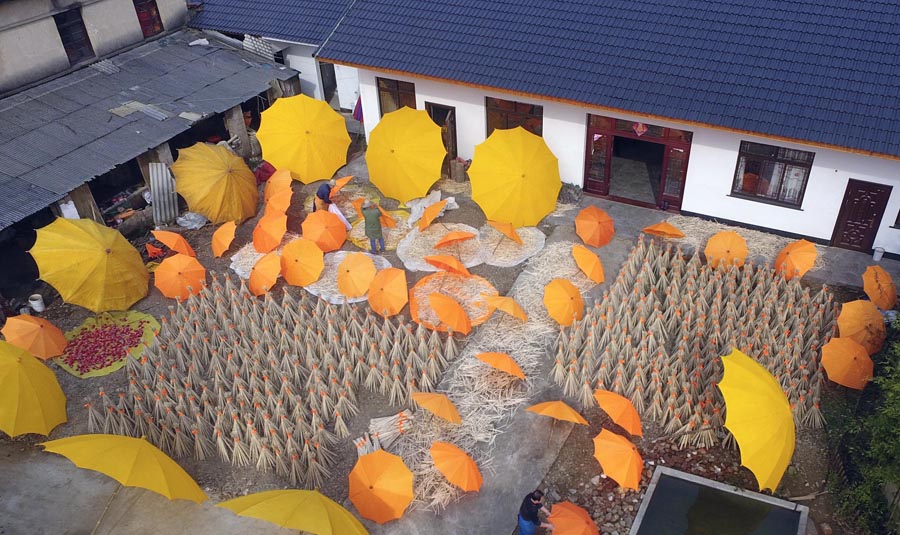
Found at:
(85, 203)
(234, 123)
(161, 154)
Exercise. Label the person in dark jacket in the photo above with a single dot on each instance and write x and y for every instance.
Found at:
(529, 520)
(372, 215)
(323, 196)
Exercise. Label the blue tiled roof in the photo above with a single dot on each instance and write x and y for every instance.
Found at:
(301, 21)
(826, 71)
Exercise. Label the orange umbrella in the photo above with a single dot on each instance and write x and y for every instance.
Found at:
(339, 184)
(179, 277)
(357, 205)
(847, 363)
(457, 466)
(279, 202)
(388, 293)
(174, 241)
(448, 263)
(387, 220)
(222, 238)
(452, 237)
(154, 252)
(507, 229)
(879, 286)
(621, 410)
(355, 273)
(619, 459)
(430, 213)
(506, 304)
(588, 263)
(563, 301)
(326, 229)
(381, 486)
(439, 405)
(558, 410)
(450, 312)
(265, 273)
(35, 335)
(269, 231)
(279, 181)
(862, 322)
(502, 362)
(569, 519)
(663, 229)
(796, 259)
(726, 246)
(302, 262)
(594, 226)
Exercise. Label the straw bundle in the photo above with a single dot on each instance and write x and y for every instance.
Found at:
(416, 245)
(498, 250)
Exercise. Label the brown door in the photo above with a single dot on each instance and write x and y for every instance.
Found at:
(596, 180)
(445, 117)
(860, 217)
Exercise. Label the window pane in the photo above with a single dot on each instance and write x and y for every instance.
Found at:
(794, 179)
(384, 83)
(408, 99)
(495, 119)
(535, 125)
(675, 171)
(771, 172)
(388, 102)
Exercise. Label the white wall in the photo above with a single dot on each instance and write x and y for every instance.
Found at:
(300, 57)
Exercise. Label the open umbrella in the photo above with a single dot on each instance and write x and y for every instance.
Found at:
(457, 466)
(405, 154)
(222, 238)
(759, 416)
(515, 177)
(796, 258)
(326, 229)
(448, 263)
(388, 293)
(90, 265)
(453, 237)
(619, 459)
(269, 231)
(861, 321)
(302, 262)
(594, 226)
(437, 404)
(381, 486)
(507, 229)
(179, 277)
(31, 400)
(174, 241)
(431, 212)
(386, 219)
(278, 182)
(355, 273)
(450, 312)
(153, 251)
(563, 301)
(309, 511)
(664, 230)
(727, 247)
(847, 363)
(880, 288)
(133, 462)
(558, 410)
(569, 519)
(588, 263)
(305, 136)
(265, 273)
(620, 410)
(506, 304)
(215, 182)
(35, 335)
(279, 202)
(502, 362)
(339, 184)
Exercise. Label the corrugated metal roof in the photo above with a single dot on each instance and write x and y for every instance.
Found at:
(307, 22)
(59, 135)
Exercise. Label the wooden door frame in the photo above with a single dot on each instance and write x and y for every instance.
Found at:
(839, 220)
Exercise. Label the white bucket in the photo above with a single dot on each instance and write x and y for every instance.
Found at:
(878, 254)
(36, 302)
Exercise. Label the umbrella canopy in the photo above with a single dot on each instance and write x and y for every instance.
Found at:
(506, 304)
(796, 258)
(278, 182)
(386, 219)
(355, 273)
(326, 229)
(305, 136)
(620, 410)
(880, 288)
(388, 293)
(453, 237)
(90, 265)
(269, 231)
(515, 177)
(847, 363)
(339, 184)
(437, 404)
(405, 154)
(264, 273)
(222, 238)
(450, 312)
(594, 226)
(448, 263)
(588, 263)
(153, 251)
(381, 486)
(133, 462)
(558, 410)
(215, 182)
(861, 321)
(759, 416)
(309, 511)
(664, 230)
(279, 202)
(431, 212)
(619, 459)
(569, 519)
(457, 466)
(563, 301)
(174, 241)
(507, 229)
(35, 335)
(726, 247)
(502, 362)
(302, 262)
(179, 277)
(31, 400)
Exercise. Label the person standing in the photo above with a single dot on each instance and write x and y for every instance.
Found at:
(529, 520)
(372, 215)
(323, 196)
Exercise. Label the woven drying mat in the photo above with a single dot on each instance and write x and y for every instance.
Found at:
(498, 250)
(467, 291)
(392, 236)
(246, 257)
(413, 249)
(326, 287)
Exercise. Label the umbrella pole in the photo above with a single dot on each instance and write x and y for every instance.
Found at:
(105, 509)
(498, 243)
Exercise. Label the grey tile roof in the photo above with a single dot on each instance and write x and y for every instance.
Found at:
(60, 134)
(306, 21)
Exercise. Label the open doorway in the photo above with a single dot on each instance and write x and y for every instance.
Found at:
(636, 169)
(329, 85)
(445, 117)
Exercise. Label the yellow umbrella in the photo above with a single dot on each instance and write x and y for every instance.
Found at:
(304, 135)
(759, 416)
(304, 510)
(90, 265)
(796, 258)
(31, 400)
(515, 177)
(35, 335)
(355, 273)
(588, 263)
(563, 301)
(133, 462)
(222, 238)
(405, 154)
(439, 405)
(880, 288)
(456, 466)
(302, 262)
(861, 321)
(215, 182)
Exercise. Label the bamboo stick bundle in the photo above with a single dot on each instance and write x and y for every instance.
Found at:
(389, 428)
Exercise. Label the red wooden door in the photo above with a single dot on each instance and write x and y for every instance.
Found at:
(860, 216)
(596, 180)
